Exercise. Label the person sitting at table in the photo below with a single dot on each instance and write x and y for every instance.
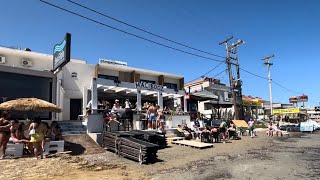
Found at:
(18, 137)
(270, 129)
(215, 134)
(277, 130)
(188, 134)
(180, 131)
(205, 135)
(232, 131)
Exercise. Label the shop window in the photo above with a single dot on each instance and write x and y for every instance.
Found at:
(115, 78)
(171, 85)
(148, 81)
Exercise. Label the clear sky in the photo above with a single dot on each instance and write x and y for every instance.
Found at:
(287, 28)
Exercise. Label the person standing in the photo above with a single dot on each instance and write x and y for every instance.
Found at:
(152, 116)
(251, 127)
(223, 130)
(4, 132)
(37, 133)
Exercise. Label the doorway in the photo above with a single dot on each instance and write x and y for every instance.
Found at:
(75, 108)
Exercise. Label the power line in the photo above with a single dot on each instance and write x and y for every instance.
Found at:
(207, 72)
(286, 88)
(278, 84)
(120, 30)
(140, 29)
(254, 74)
(220, 73)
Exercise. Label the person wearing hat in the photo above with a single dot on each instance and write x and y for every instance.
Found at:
(116, 107)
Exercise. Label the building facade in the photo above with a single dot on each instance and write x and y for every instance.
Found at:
(76, 84)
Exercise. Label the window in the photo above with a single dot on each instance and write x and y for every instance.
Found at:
(115, 78)
(171, 85)
(74, 75)
(148, 81)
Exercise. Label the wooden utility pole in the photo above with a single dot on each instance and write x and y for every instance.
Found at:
(235, 84)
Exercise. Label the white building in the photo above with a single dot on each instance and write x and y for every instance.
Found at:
(79, 82)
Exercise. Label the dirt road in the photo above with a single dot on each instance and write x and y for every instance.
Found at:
(294, 157)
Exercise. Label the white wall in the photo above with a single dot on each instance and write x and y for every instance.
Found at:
(73, 87)
(39, 61)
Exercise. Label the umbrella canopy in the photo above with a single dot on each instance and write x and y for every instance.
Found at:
(29, 104)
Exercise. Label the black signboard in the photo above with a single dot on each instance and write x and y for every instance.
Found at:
(61, 53)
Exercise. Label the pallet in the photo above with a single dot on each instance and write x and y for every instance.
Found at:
(171, 139)
(193, 144)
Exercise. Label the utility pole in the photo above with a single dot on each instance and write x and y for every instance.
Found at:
(269, 64)
(233, 83)
(239, 86)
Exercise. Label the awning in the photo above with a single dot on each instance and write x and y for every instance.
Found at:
(217, 103)
(203, 95)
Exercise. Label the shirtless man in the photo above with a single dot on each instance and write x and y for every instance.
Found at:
(4, 132)
(152, 116)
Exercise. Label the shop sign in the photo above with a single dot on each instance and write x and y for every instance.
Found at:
(303, 98)
(104, 61)
(197, 88)
(61, 53)
(286, 111)
(149, 86)
(293, 99)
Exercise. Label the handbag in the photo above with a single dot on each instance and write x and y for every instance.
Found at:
(32, 132)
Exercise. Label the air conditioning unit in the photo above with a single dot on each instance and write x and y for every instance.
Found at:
(26, 62)
(2, 60)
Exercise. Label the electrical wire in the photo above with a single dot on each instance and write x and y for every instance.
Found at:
(206, 72)
(253, 74)
(143, 30)
(286, 88)
(276, 83)
(120, 30)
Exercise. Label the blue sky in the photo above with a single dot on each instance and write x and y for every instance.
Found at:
(287, 28)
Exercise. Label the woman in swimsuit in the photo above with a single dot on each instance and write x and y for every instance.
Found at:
(37, 136)
(4, 132)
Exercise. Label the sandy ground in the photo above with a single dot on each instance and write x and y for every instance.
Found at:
(293, 157)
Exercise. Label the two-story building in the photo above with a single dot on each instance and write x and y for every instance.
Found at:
(209, 97)
(24, 73)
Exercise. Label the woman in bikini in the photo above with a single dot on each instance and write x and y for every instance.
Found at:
(37, 132)
(4, 132)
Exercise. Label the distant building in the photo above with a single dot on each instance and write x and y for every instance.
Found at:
(210, 97)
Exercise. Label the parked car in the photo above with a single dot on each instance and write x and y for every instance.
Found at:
(291, 128)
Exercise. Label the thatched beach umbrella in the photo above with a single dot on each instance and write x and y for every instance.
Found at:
(29, 104)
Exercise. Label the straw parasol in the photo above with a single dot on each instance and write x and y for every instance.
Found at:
(29, 104)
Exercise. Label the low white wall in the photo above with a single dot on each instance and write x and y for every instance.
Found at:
(179, 119)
